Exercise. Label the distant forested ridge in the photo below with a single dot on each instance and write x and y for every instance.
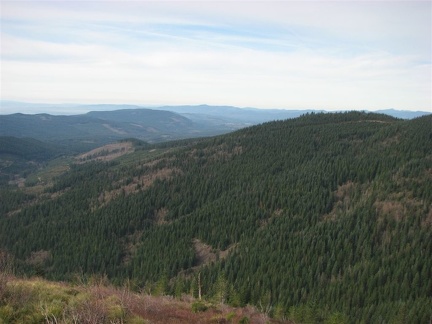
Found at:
(326, 217)
(90, 126)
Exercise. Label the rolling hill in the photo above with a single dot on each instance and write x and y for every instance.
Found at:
(320, 217)
(105, 123)
(80, 132)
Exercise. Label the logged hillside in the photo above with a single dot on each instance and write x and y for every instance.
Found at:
(321, 217)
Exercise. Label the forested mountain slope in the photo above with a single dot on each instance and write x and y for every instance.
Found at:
(87, 131)
(19, 156)
(324, 216)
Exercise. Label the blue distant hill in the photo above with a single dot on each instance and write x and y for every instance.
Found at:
(404, 114)
(94, 125)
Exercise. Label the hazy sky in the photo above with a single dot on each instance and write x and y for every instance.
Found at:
(266, 54)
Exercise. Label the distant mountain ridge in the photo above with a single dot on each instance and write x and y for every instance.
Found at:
(105, 123)
(404, 114)
(256, 114)
(100, 127)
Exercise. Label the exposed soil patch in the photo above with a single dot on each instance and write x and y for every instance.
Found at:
(206, 254)
(160, 215)
(38, 258)
(130, 186)
(393, 208)
(401, 208)
(115, 130)
(106, 153)
(391, 140)
(342, 203)
(151, 163)
(428, 220)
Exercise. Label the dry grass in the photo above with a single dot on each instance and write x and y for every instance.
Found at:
(41, 301)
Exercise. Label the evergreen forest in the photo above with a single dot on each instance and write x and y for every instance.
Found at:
(322, 218)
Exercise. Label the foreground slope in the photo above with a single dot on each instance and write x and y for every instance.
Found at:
(40, 301)
(306, 218)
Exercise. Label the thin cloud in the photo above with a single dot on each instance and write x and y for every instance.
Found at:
(330, 55)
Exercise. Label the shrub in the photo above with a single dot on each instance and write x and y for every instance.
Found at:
(230, 316)
(199, 307)
(244, 320)
(6, 314)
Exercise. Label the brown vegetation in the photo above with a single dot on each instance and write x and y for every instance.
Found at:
(106, 153)
(160, 216)
(115, 130)
(428, 220)
(206, 254)
(40, 301)
(342, 197)
(130, 186)
(394, 209)
(221, 153)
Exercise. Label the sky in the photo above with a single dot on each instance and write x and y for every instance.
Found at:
(331, 55)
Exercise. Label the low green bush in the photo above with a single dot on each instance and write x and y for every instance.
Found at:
(199, 307)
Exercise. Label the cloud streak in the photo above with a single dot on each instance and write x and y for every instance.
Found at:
(327, 55)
